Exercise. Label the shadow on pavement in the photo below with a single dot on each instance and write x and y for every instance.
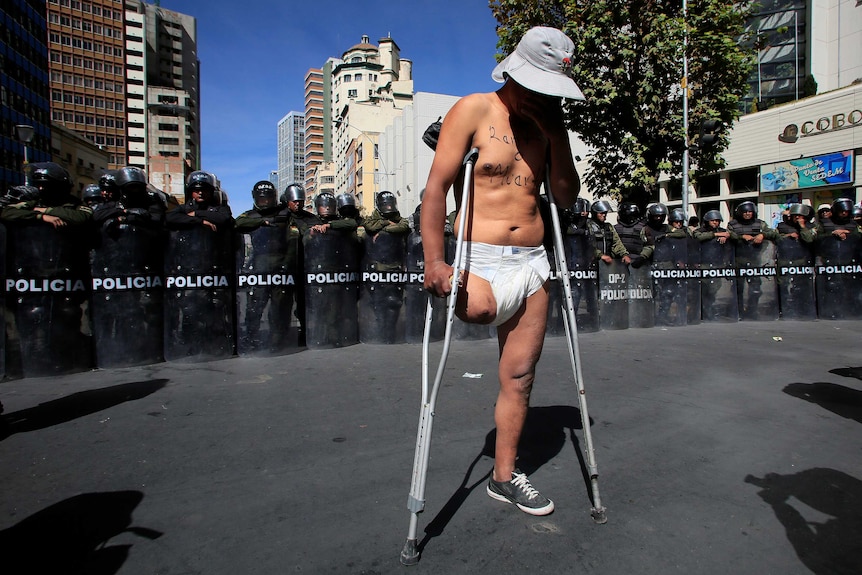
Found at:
(73, 536)
(546, 431)
(840, 400)
(76, 405)
(848, 372)
(821, 511)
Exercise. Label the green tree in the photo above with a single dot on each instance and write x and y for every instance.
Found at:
(628, 62)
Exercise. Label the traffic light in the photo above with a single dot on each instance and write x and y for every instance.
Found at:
(709, 130)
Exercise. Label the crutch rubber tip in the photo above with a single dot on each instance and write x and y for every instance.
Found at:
(410, 555)
(599, 515)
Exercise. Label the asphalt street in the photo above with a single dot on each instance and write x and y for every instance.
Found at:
(721, 448)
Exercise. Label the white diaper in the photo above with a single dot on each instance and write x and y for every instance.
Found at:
(514, 272)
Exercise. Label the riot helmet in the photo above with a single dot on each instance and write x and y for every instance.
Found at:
(743, 208)
(346, 205)
(656, 214)
(803, 210)
(294, 193)
(385, 203)
(108, 185)
(629, 213)
(264, 195)
(857, 213)
(203, 183)
(130, 177)
(712, 215)
(23, 193)
(600, 207)
(677, 215)
(824, 211)
(842, 208)
(52, 179)
(581, 207)
(325, 205)
(92, 195)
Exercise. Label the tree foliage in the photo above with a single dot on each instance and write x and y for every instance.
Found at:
(629, 64)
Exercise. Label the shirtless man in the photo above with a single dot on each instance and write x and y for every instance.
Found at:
(518, 131)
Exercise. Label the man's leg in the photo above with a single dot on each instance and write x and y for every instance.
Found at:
(520, 339)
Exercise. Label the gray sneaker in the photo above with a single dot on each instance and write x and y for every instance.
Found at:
(521, 493)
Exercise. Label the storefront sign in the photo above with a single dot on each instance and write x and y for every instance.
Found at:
(824, 125)
(812, 172)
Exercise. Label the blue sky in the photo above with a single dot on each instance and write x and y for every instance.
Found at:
(254, 56)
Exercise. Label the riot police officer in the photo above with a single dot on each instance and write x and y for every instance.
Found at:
(385, 217)
(607, 241)
(47, 239)
(795, 258)
(108, 185)
(266, 210)
(716, 253)
(202, 207)
(266, 252)
(55, 205)
(134, 204)
(92, 196)
(754, 239)
(629, 226)
(840, 223)
(298, 216)
(656, 229)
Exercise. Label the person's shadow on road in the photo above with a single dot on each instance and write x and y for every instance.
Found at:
(821, 511)
(546, 431)
(74, 536)
(76, 405)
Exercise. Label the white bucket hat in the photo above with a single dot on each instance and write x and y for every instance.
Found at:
(542, 62)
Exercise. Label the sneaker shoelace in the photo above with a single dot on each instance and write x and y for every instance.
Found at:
(520, 480)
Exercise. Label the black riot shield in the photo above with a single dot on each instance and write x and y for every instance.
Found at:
(838, 276)
(128, 295)
(693, 279)
(556, 302)
(331, 289)
(718, 281)
(266, 285)
(641, 310)
(199, 295)
(416, 298)
(756, 290)
(47, 295)
(794, 262)
(670, 275)
(584, 280)
(3, 307)
(613, 295)
(384, 275)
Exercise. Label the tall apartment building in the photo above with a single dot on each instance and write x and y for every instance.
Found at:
(87, 71)
(291, 149)
(315, 98)
(125, 74)
(24, 95)
(349, 102)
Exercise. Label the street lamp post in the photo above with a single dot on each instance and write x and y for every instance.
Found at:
(25, 133)
(685, 158)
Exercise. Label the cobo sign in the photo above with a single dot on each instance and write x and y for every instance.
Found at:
(792, 132)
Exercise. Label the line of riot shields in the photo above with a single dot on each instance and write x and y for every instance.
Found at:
(78, 298)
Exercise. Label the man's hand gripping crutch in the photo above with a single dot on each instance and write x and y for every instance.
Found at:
(571, 327)
(416, 500)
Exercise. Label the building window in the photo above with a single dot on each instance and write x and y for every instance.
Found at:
(351, 93)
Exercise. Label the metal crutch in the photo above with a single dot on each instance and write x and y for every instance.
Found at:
(571, 327)
(416, 499)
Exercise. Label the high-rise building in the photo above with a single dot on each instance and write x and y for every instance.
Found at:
(87, 71)
(291, 149)
(367, 88)
(125, 74)
(24, 95)
(315, 97)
